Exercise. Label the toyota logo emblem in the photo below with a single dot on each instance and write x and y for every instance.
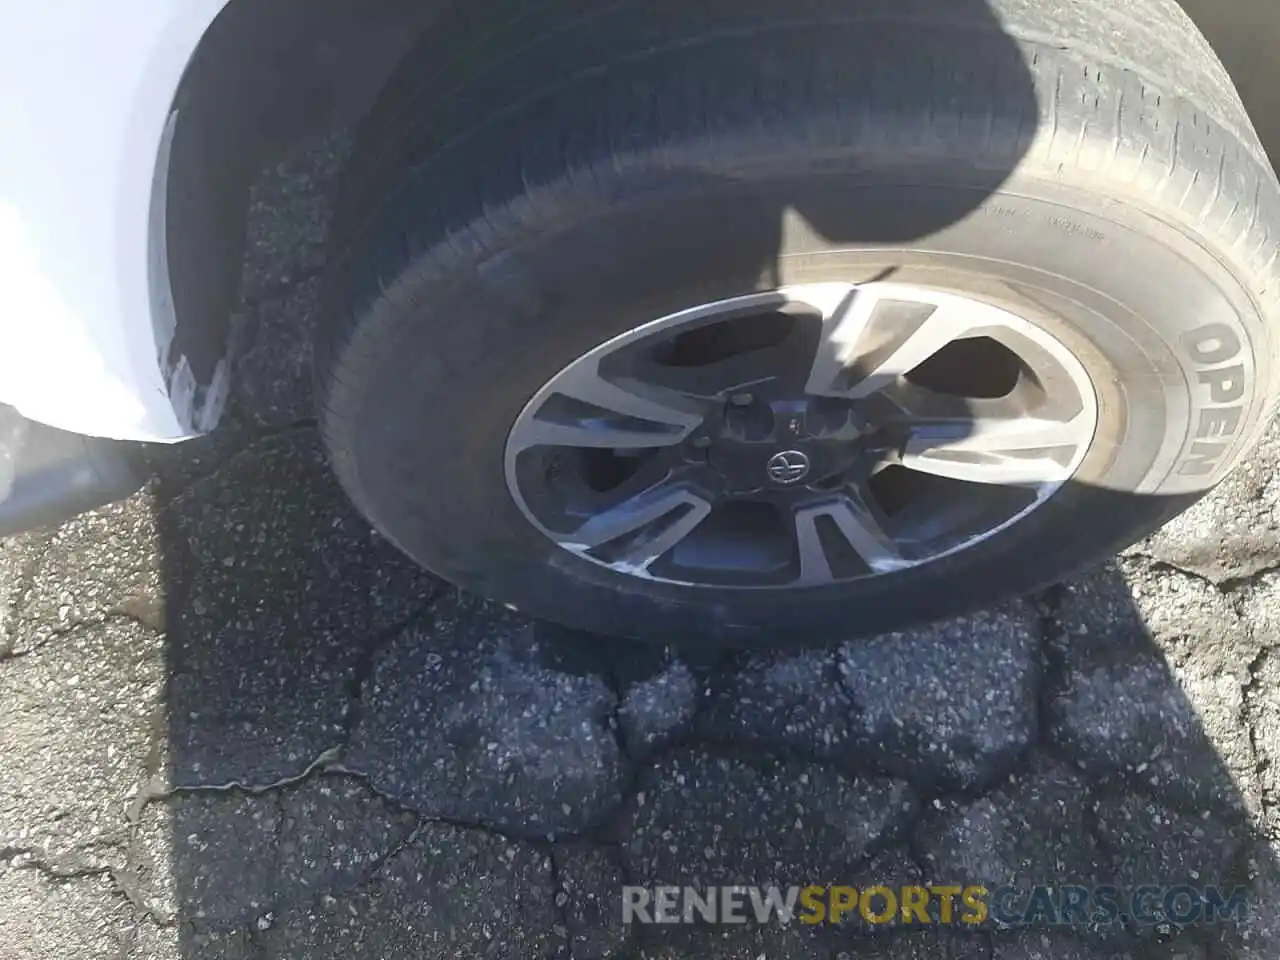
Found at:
(789, 466)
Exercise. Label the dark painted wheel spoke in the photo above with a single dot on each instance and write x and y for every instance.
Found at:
(586, 410)
(850, 517)
(640, 529)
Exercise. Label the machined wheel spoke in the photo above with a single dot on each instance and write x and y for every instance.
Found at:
(853, 520)
(845, 317)
(1015, 450)
(640, 529)
(856, 359)
(586, 410)
(942, 326)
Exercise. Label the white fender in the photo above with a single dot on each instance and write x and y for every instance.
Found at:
(86, 91)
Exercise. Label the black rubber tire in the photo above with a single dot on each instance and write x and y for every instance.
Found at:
(540, 177)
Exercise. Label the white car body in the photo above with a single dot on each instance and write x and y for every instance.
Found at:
(84, 298)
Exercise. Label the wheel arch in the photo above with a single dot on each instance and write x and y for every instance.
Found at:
(269, 76)
(265, 78)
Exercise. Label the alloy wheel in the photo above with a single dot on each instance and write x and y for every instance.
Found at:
(801, 437)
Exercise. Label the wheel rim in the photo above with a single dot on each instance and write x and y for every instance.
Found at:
(806, 436)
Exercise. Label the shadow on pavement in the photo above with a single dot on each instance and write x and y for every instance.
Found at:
(362, 761)
(356, 760)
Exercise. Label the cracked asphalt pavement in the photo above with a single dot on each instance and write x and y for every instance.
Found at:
(236, 724)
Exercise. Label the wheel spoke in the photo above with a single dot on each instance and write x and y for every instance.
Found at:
(856, 358)
(640, 529)
(1011, 450)
(856, 521)
(842, 327)
(595, 431)
(638, 400)
(586, 410)
(930, 421)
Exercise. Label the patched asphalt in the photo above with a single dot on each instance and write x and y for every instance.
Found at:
(236, 724)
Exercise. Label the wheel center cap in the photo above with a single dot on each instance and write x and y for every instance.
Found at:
(789, 466)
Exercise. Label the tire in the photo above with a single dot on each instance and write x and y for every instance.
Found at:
(539, 179)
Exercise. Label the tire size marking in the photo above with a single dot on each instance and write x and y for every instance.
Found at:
(1067, 225)
(1212, 349)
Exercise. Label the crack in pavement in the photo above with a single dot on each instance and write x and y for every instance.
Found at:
(123, 881)
(1226, 585)
(32, 858)
(109, 617)
(151, 792)
(1261, 764)
(364, 668)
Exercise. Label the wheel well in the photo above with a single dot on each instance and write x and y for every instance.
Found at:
(270, 75)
